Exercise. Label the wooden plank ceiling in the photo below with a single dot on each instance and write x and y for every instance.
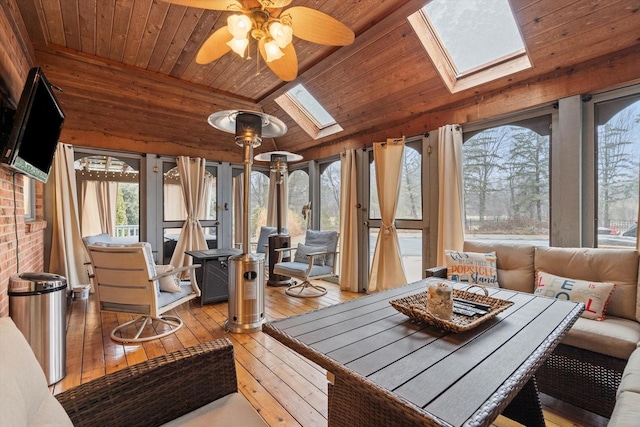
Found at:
(130, 79)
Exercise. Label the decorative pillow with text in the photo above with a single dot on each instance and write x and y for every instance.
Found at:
(594, 295)
(472, 267)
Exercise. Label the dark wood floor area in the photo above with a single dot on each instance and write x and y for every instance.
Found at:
(285, 388)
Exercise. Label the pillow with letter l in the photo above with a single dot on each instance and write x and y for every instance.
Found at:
(475, 268)
(594, 295)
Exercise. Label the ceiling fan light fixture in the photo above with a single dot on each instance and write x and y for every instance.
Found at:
(239, 46)
(239, 26)
(273, 51)
(282, 34)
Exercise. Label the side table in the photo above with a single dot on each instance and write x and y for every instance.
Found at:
(213, 276)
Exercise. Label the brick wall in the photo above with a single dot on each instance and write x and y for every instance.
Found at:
(16, 57)
(30, 236)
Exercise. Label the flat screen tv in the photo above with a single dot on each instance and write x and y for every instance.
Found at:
(31, 136)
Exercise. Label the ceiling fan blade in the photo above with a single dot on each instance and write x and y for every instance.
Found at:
(317, 27)
(209, 4)
(215, 46)
(286, 67)
(274, 4)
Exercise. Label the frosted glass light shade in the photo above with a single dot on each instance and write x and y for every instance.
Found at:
(239, 25)
(239, 46)
(273, 51)
(282, 34)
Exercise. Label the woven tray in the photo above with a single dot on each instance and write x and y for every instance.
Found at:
(415, 306)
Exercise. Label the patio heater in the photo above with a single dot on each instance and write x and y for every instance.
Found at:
(279, 240)
(246, 271)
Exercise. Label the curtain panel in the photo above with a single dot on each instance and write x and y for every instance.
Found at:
(192, 237)
(387, 270)
(68, 254)
(348, 222)
(450, 190)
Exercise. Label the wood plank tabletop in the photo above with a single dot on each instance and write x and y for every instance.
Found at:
(451, 376)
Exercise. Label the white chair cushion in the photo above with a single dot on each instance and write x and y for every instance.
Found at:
(230, 410)
(25, 399)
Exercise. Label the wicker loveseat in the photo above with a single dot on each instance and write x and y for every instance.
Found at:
(194, 386)
(587, 367)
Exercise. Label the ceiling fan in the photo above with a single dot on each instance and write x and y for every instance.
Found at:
(272, 27)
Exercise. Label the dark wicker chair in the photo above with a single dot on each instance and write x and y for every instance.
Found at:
(154, 392)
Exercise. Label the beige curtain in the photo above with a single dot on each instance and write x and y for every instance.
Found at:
(272, 208)
(174, 207)
(90, 217)
(106, 197)
(450, 190)
(387, 270)
(348, 222)
(98, 207)
(192, 235)
(67, 250)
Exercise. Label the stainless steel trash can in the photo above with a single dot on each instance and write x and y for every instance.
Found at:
(38, 307)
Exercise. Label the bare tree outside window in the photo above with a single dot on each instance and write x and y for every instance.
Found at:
(618, 162)
(330, 197)
(506, 184)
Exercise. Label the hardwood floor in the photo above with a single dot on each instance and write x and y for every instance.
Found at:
(285, 388)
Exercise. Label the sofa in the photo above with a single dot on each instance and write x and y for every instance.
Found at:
(196, 386)
(588, 367)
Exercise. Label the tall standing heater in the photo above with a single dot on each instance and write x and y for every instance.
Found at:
(246, 271)
(281, 239)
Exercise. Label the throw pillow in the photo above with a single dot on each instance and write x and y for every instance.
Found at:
(168, 283)
(303, 251)
(594, 295)
(472, 267)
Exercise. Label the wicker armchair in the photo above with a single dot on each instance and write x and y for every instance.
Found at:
(160, 390)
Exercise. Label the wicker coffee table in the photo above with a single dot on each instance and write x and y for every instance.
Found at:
(385, 369)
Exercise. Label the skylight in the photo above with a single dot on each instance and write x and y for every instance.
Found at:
(474, 39)
(316, 112)
(308, 112)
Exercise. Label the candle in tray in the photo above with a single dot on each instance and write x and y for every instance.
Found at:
(440, 300)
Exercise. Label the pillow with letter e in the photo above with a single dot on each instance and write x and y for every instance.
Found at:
(474, 268)
(594, 295)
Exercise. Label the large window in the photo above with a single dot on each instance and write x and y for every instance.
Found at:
(29, 196)
(330, 196)
(506, 182)
(618, 159)
(109, 196)
(299, 215)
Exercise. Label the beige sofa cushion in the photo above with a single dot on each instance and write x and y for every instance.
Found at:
(631, 375)
(25, 399)
(613, 336)
(599, 265)
(627, 409)
(514, 260)
(230, 410)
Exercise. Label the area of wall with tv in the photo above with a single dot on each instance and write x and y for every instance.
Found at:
(15, 61)
(29, 134)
